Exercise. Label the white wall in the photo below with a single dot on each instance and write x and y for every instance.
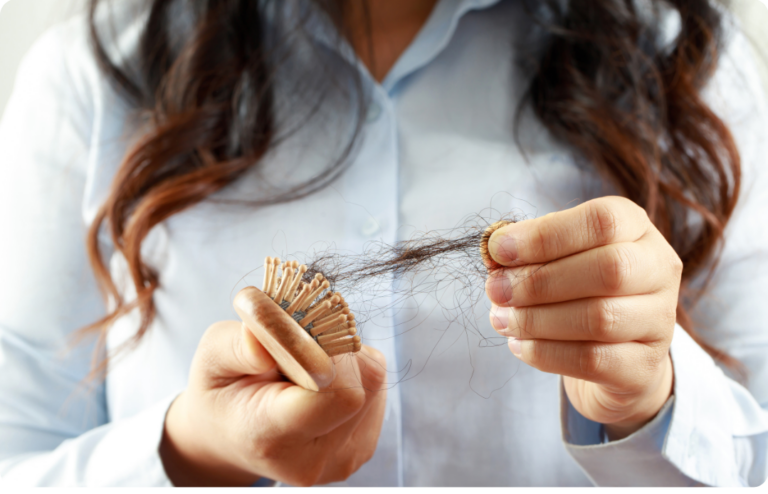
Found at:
(22, 21)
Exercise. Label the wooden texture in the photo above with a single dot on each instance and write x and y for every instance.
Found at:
(297, 355)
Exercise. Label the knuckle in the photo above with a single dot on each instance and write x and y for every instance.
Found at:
(349, 468)
(349, 401)
(376, 366)
(593, 360)
(602, 222)
(377, 356)
(267, 450)
(373, 371)
(671, 320)
(207, 354)
(602, 319)
(368, 452)
(615, 266)
(677, 264)
(309, 475)
(239, 353)
(376, 376)
(314, 471)
(655, 352)
(302, 482)
(547, 241)
(524, 320)
(535, 284)
(536, 356)
(345, 465)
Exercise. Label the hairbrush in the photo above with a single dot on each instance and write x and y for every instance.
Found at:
(299, 321)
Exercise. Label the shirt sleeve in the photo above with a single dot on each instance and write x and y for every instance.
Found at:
(54, 422)
(714, 430)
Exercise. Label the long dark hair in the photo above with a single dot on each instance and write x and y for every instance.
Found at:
(602, 83)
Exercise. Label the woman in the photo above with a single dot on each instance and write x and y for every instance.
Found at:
(191, 138)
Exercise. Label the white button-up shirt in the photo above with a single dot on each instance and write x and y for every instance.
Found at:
(437, 145)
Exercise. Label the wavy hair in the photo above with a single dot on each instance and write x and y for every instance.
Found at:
(603, 82)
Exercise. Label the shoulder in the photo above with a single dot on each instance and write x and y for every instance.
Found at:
(61, 63)
(64, 114)
(61, 57)
(57, 77)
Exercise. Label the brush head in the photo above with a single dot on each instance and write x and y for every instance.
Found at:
(301, 323)
(297, 354)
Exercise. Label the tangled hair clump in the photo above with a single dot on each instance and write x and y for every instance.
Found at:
(463, 249)
(386, 277)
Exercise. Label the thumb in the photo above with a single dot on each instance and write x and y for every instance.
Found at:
(228, 349)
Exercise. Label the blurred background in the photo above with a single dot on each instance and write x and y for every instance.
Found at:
(22, 21)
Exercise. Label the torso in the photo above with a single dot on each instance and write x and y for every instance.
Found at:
(438, 147)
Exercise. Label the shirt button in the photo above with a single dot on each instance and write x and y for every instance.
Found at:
(370, 227)
(374, 112)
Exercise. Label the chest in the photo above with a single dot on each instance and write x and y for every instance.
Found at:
(433, 150)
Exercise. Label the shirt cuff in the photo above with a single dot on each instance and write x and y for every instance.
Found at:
(264, 482)
(670, 450)
(124, 453)
(707, 417)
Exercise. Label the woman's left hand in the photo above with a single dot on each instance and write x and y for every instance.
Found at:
(591, 293)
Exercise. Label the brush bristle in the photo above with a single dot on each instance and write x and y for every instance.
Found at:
(319, 311)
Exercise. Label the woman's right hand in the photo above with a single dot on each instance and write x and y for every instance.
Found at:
(238, 421)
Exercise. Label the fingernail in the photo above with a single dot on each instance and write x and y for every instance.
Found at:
(499, 288)
(499, 318)
(503, 248)
(516, 346)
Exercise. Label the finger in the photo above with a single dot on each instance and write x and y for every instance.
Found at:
(360, 446)
(304, 415)
(597, 222)
(642, 318)
(629, 268)
(622, 366)
(354, 443)
(370, 367)
(337, 454)
(229, 350)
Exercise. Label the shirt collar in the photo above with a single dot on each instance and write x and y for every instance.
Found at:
(433, 38)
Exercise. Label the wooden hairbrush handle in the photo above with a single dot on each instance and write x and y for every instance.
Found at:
(297, 354)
